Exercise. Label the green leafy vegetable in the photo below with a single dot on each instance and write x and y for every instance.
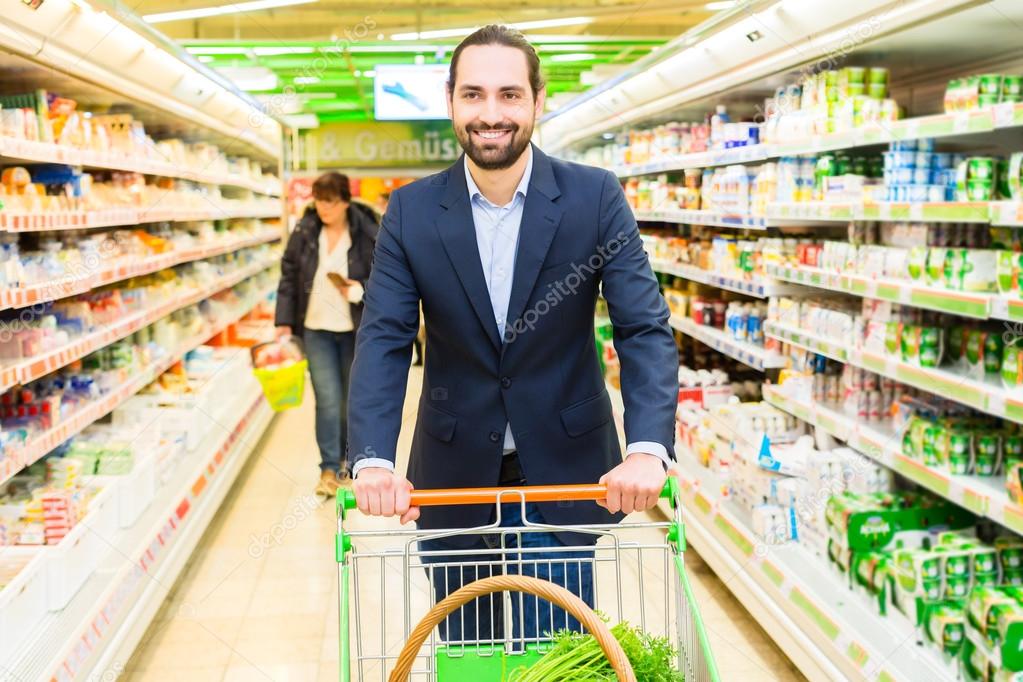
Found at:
(576, 657)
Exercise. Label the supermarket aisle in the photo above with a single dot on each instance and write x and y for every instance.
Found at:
(258, 600)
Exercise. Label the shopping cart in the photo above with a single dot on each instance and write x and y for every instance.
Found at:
(638, 573)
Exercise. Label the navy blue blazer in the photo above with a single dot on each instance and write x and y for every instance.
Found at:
(578, 236)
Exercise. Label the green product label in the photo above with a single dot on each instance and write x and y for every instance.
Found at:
(772, 573)
(737, 538)
(924, 476)
(827, 626)
(857, 654)
(949, 303)
(888, 292)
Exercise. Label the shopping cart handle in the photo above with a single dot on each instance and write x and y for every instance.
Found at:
(536, 493)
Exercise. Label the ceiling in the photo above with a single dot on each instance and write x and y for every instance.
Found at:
(266, 51)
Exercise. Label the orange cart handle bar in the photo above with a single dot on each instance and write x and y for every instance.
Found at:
(536, 493)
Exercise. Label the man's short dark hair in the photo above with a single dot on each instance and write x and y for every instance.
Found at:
(332, 186)
(495, 34)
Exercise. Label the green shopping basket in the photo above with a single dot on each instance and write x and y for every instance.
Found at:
(284, 386)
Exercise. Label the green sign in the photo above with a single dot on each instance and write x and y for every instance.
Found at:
(383, 144)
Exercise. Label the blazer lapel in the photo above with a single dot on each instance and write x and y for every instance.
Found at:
(541, 218)
(458, 234)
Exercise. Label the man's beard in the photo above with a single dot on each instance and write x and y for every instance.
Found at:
(494, 158)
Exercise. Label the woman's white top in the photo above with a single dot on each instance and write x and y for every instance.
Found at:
(328, 310)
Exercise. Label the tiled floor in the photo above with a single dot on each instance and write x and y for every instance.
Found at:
(258, 599)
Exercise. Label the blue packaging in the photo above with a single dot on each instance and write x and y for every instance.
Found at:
(942, 161)
(923, 160)
(925, 144)
(904, 146)
(922, 176)
(755, 328)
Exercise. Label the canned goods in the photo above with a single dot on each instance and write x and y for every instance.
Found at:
(993, 354)
(979, 190)
(1013, 446)
(877, 91)
(985, 100)
(1012, 86)
(936, 192)
(985, 465)
(980, 168)
(990, 84)
(988, 444)
(903, 176)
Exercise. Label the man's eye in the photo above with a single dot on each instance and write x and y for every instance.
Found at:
(511, 95)
(471, 95)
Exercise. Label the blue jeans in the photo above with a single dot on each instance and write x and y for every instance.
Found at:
(483, 620)
(330, 357)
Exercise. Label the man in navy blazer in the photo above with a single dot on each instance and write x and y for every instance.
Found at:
(507, 251)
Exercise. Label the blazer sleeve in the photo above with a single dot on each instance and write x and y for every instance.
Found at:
(383, 347)
(639, 315)
(286, 312)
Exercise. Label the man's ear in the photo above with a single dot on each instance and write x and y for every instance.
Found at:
(450, 99)
(541, 98)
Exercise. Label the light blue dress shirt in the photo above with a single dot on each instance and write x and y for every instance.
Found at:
(497, 237)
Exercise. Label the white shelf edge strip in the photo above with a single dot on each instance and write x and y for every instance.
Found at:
(753, 356)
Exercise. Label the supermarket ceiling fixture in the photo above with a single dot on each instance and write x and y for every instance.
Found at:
(219, 10)
(332, 45)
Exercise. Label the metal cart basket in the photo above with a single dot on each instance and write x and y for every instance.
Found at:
(386, 586)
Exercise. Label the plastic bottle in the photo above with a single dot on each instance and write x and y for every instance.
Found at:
(717, 127)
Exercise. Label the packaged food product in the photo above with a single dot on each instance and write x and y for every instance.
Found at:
(946, 627)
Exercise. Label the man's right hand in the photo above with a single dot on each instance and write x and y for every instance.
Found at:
(381, 492)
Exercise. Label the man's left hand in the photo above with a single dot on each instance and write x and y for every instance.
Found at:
(634, 485)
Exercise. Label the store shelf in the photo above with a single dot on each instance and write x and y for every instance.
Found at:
(86, 280)
(708, 159)
(810, 211)
(708, 218)
(987, 395)
(746, 353)
(806, 340)
(45, 442)
(829, 631)
(983, 495)
(981, 306)
(757, 287)
(15, 221)
(39, 366)
(15, 149)
(937, 126)
(118, 601)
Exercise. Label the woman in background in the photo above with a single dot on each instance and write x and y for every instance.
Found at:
(319, 298)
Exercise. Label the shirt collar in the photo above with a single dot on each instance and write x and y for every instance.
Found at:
(474, 190)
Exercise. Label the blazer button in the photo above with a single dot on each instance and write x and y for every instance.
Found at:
(505, 382)
(494, 436)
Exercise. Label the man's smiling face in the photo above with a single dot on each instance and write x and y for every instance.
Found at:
(492, 106)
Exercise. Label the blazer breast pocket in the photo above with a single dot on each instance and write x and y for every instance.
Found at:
(587, 415)
(437, 423)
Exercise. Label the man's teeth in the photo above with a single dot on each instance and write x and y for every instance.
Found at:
(491, 134)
